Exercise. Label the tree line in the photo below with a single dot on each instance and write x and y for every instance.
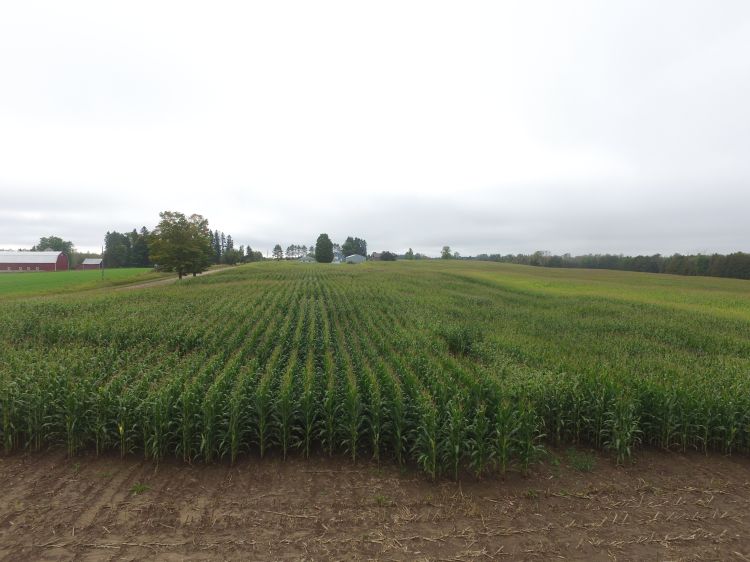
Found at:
(735, 265)
(324, 250)
(133, 249)
(225, 252)
(128, 249)
(186, 245)
(411, 255)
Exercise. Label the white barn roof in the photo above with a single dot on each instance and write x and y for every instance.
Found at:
(92, 261)
(355, 258)
(29, 257)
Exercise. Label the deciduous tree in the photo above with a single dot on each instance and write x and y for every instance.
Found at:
(353, 246)
(54, 243)
(181, 244)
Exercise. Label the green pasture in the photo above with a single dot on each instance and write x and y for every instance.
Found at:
(49, 282)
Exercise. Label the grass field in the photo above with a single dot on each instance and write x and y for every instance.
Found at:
(45, 283)
(452, 366)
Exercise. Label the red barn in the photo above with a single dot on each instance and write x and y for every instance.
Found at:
(33, 261)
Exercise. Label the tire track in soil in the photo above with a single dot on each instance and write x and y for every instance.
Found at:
(325, 508)
(167, 514)
(125, 519)
(192, 507)
(109, 497)
(214, 490)
(47, 478)
(126, 501)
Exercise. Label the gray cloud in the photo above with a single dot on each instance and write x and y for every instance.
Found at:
(584, 127)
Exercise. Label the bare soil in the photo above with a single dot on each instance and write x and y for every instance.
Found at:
(663, 507)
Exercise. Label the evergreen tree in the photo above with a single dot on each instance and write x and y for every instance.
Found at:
(116, 250)
(324, 249)
(217, 246)
(140, 249)
(278, 253)
(232, 257)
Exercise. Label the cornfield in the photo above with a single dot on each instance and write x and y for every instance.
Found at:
(450, 367)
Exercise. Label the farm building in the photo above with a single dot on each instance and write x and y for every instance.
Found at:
(306, 259)
(91, 263)
(33, 261)
(354, 258)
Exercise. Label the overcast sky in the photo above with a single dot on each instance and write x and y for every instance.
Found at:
(492, 127)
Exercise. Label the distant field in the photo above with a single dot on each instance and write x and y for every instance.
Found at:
(450, 366)
(44, 283)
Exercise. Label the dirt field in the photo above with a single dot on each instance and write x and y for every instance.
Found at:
(666, 507)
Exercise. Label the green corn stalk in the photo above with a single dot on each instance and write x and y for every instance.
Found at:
(212, 406)
(239, 406)
(398, 418)
(479, 444)
(6, 407)
(329, 406)
(621, 432)
(262, 410)
(375, 418)
(527, 436)
(505, 429)
(669, 417)
(452, 440)
(309, 395)
(308, 405)
(352, 409)
(285, 409)
(598, 404)
(426, 439)
(729, 428)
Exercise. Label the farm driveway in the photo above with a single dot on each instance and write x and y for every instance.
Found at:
(167, 281)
